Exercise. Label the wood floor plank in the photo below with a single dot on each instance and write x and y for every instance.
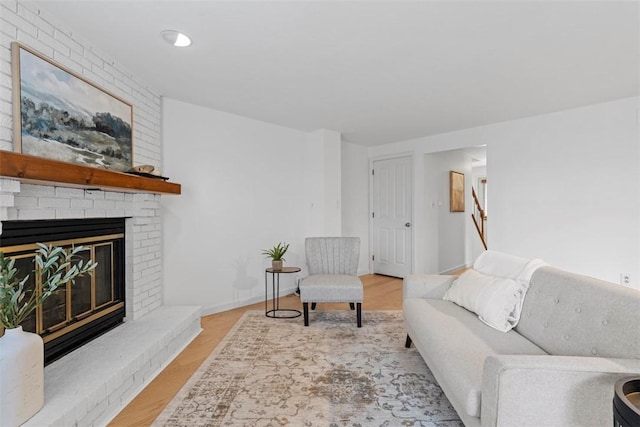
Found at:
(380, 293)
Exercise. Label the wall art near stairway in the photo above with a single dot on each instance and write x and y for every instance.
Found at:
(60, 115)
(456, 186)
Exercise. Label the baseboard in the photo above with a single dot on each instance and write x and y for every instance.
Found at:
(455, 269)
(213, 309)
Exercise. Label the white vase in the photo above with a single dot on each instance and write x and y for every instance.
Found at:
(21, 376)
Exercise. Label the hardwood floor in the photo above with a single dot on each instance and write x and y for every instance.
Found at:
(380, 293)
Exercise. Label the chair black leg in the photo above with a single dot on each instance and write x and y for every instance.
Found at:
(359, 314)
(408, 342)
(352, 306)
(313, 306)
(305, 309)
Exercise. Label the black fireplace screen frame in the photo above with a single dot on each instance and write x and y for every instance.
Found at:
(77, 332)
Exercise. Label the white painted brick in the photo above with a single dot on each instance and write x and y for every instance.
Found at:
(81, 203)
(69, 213)
(34, 43)
(67, 62)
(36, 214)
(109, 195)
(79, 58)
(26, 202)
(92, 57)
(37, 190)
(94, 194)
(95, 213)
(7, 199)
(53, 202)
(63, 38)
(150, 242)
(9, 185)
(54, 40)
(71, 193)
(123, 87)
(53, 43)
(10, 5)
(5, 70)
(20, 23)
(5, 50)
(5, 92)
(104, 204)
(95, 78)
(6, 107)
(116, 213)
(98, 70)
(95, 413)
(8, 29)
(6, 120)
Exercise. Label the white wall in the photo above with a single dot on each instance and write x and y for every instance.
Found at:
(565, 186)
(446, 231)
(328, 162)
(355, 199)
(246, 186)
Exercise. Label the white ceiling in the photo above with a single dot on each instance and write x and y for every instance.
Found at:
(377, 72)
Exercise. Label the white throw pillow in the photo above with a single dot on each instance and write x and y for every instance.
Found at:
(496, 300)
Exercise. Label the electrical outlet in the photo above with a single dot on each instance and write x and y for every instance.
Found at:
(625, 279)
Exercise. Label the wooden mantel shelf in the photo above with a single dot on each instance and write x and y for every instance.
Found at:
(38, 170)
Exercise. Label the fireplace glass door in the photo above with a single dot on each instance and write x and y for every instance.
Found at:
(79, 311)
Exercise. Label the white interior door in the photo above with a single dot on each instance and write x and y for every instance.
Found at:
(391, 217)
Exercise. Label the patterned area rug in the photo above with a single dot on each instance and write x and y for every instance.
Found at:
(276, 372)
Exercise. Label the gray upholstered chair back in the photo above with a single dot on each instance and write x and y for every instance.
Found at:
(332, 255)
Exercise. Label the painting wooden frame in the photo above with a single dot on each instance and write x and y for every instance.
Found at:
(456, 191)
(60, 115)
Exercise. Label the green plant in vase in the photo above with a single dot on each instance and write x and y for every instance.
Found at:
(22, 353)
(55, 266)
(277, 255)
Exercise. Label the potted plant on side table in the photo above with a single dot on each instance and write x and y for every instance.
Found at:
(277, 255)
(22, 353)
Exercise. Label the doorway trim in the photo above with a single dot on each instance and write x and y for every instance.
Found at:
(406, 154)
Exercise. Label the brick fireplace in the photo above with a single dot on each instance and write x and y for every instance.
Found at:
(74, 314)
(143, 270)
(92, 384)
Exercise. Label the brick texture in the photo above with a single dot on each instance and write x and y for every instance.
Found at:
(28, 25)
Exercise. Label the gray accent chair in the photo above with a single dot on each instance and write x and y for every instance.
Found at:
(333, 267)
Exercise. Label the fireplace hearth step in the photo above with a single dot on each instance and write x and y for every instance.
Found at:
(90, 385)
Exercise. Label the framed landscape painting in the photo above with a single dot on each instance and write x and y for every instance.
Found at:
(61, 116)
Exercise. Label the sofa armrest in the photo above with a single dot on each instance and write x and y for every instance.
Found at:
(426, 285)
(551, 390)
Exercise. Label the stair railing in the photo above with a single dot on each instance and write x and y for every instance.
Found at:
(479, 217)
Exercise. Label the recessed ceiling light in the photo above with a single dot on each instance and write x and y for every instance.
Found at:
(176, 38)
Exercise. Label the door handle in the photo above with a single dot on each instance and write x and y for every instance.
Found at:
(408, 224)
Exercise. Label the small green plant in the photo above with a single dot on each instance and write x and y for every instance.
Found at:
(277, 252)
(56, 267)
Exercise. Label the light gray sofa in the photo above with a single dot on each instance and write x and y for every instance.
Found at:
(557, 367)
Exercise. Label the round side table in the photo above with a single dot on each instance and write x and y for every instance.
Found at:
(276, 312)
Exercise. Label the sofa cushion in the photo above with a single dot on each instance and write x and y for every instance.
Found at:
(496, 300)
(331, 288)
(573, 315)
(454, 344)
